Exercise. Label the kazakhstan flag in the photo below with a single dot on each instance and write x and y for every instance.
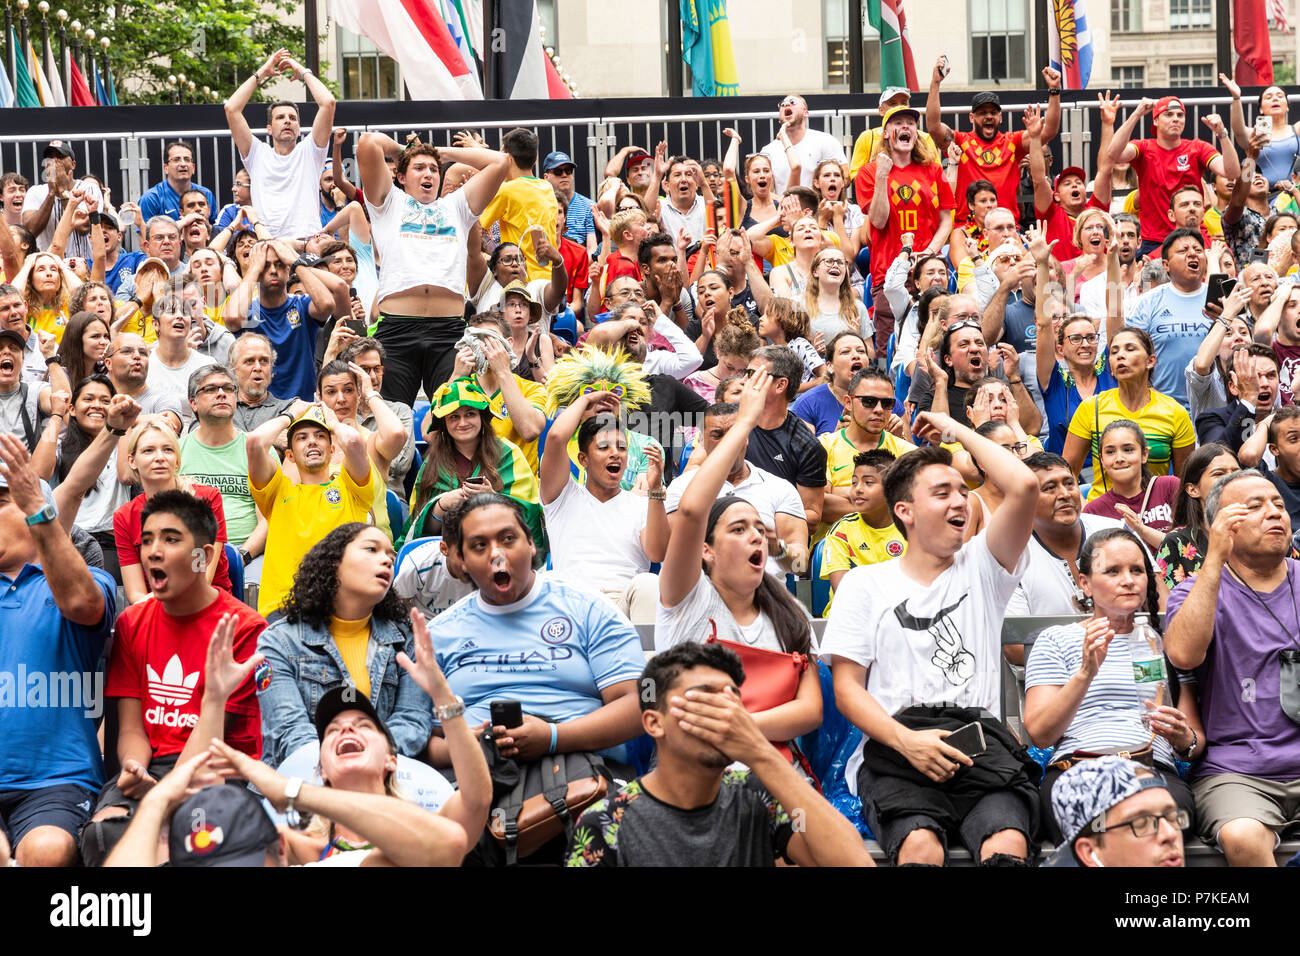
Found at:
(706, 48)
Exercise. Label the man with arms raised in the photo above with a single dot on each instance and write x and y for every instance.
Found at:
(915, 650)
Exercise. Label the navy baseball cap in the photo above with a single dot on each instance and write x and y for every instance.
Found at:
(555, 160)
(221, 825)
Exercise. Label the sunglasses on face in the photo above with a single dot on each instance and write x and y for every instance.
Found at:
(967, 322)
(868, 402)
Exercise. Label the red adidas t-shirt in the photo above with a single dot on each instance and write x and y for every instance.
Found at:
(158, 659)
(1160, 171)
(127, 526)
(997, 161)
(917, 195)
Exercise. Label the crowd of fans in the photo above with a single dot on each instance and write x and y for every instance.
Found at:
(658, 406)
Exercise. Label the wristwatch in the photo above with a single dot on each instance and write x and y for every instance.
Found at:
(245, 556)
(119, 432)
(445, 714)
(1190, 752)
(48, 513)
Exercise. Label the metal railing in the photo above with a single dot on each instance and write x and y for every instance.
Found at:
(129, 159)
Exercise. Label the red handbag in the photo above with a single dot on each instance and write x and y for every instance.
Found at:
(771, 678)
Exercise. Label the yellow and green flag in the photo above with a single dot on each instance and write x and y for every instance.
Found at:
(707, 50)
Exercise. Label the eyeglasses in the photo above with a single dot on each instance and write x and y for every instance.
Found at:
(1147, 824)
(215, 389)
(511, 260)
(868, 402)
(1086, 338)
(1018, 449)
(633, 293)
(371, 369)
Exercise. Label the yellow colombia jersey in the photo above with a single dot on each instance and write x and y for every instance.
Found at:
(1163, 421)
(298, 516)
(851, 542)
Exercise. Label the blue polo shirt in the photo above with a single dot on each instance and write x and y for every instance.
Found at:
(292, 332)
(162, 200)
(50, 687)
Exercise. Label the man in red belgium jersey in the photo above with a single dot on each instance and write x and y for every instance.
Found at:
(987, 152)
(1169, 161)
(903, 191)
(1057, 202)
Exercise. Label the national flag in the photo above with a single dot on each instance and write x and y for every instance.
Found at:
(101, 94)
(556, 88)
(520, 64)
(1069, 42)
(109, 98)
(414, 34)
(6, 91)
(1252, 63)
(24, 88)
(706, 48)
(55, 77)
(78, 89)
(38, 76)
(458, 27)
(889, 19)
(1277, 16)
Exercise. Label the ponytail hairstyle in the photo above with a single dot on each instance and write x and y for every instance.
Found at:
(770, 597)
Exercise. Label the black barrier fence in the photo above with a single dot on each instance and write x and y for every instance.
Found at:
(124, 145)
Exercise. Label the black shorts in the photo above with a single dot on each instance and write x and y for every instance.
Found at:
(418, 350)
(66, 806)
(111, 796)
(998, 810)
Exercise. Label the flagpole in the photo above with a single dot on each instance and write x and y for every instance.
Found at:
(91, 75)
(22, 31)
(1223, 35)
(311, 31)
(675, 48)
(44, 54)
(857, 80)
(62, 16)
(489, 56)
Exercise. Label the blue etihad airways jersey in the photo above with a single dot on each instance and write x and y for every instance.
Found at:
(554, 651)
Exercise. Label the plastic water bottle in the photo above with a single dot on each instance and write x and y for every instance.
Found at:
(1147, 653)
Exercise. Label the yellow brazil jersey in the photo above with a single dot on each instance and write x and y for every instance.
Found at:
(299, 516)
(840, 452)
(1213, 222)
(53, 321)
(141, 325)
(851, 542)
(783, 248)
(1163, 421)
(535, 392)
(519, 205)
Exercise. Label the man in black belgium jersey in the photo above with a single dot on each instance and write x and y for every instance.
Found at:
(690, 810)
(783, 443)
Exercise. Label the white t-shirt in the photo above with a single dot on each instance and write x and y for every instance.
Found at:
(1047, 586)
(596, 542)
(689, 621)
(105, 496)
(423, 578)
(35, 198)
(1092, 297)
(924, 644)
(768, 493)
(673, 219)
(420, 243)
(176, 381)
(286, 189)
(812, 149)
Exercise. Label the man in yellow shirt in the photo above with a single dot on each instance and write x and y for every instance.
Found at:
(523, 201)
(870, 404)
(300, 514)
(867, 535)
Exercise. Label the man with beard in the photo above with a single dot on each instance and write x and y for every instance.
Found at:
(127, 361)
(986, 151)
(801, 145)
(662, 277)
(869, 405)
(1168, 161)
(251, 358)
(214, 453)
(690, 810)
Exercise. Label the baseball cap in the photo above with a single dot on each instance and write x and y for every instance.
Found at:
(889, 92)
(555, 160)
(1164, 103)
(635, 157)
(105, 218)
(313, 415)
(1084, 792)
(901, 111)
(347, 697)
(984, 98)
(1069, 171)
(221, 825)
(13, 336)
(57, 147)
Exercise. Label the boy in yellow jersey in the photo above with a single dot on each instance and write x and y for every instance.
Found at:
(523, 201)
(867, 535)
(300, 513)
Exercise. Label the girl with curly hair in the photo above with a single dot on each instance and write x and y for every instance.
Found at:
(732, 346)
(342, 624)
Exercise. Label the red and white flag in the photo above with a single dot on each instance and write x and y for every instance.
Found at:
(414, 34)
(1253, 54)
(1277, 16)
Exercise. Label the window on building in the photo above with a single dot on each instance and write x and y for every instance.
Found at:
(550, 23)
(999, 37)
(1191, 74)
(364, 72)
(1190, 14)
(1128, 76)
(1125, 16)
(835, 21)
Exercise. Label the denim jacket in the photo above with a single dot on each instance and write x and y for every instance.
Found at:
(305, 663)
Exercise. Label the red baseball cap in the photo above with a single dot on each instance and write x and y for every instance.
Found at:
(1069, 171)
(1164, 103)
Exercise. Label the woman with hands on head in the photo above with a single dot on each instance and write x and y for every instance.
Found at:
(714, 577)
(1079, 691)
